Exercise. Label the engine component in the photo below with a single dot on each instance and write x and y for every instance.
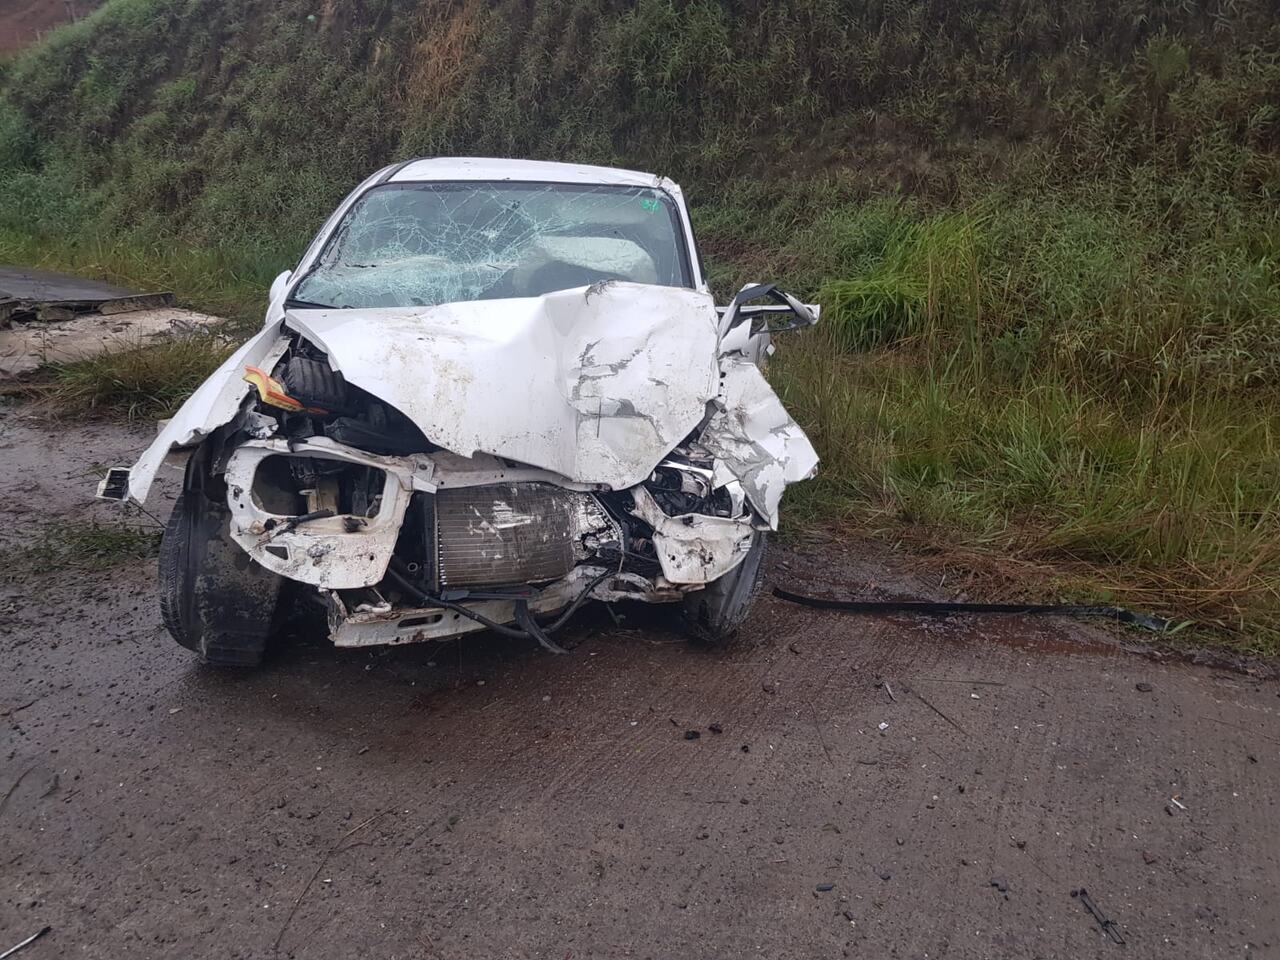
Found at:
(272, 392)
(513, 533)
(315, 384)
(377, 437)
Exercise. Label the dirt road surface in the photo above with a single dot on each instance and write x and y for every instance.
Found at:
(484, 799)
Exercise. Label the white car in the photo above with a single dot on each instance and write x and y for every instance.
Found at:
(490, 391)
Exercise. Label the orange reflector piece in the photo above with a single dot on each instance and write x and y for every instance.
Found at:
(271, 391)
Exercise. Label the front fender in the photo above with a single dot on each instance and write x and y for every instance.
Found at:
(214, 404)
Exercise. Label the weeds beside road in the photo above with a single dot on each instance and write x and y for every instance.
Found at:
(1069, 391)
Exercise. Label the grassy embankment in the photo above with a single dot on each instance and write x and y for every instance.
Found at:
(1046, 241)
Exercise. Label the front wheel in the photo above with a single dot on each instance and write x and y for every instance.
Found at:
(214, 600)
(713, 614)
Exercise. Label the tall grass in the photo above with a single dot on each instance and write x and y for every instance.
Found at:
(1043, 400)
(144, 382)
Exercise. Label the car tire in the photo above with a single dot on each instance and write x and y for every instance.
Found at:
(713, 614)
(214, 600)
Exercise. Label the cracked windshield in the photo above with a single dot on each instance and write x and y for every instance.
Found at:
(420, 244)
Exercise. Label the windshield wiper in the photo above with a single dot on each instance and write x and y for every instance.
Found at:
(307, 305)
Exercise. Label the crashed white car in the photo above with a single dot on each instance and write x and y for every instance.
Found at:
(491, 391)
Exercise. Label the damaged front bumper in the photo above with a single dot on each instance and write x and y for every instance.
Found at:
(343, 520)
(384, 624)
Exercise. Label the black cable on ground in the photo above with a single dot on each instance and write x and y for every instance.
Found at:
(930, 609)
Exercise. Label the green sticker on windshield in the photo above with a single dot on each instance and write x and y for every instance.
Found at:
(650, 203)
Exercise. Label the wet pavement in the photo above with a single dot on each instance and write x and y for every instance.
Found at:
(878, 787)
(27, 283)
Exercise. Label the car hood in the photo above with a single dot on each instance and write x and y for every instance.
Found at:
(596, 384)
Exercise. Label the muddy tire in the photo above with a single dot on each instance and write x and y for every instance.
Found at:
(713, 614)
(214, 600)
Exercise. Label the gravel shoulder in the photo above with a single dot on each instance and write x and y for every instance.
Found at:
(485, 799)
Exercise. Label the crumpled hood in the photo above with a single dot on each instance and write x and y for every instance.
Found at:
(596, 384)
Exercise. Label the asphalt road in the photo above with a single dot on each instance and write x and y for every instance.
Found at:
(27, 283)
(484, 799)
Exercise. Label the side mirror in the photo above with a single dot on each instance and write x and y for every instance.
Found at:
(783, 314)
(279, 285)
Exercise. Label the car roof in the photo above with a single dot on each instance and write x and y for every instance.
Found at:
(538, 171)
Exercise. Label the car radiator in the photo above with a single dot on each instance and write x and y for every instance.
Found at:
(512, 533)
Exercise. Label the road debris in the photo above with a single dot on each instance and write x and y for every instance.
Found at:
(1177, 802)
(1108, 926)
(883, 726)
(1143, 687)
(715, 727)
(1002, 885)
(937, 711)
(825, 887)
(14, 786)
(692, 734)
(27, 942)
(337, 847)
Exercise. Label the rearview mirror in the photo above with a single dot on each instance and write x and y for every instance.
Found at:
(279, 285)
(783, 314)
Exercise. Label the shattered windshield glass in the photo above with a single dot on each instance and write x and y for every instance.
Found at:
(420, 244)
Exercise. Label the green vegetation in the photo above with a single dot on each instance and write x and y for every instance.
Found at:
(146, 382)
(81, 546)
(1046, 237)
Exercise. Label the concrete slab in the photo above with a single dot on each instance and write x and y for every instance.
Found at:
(45, 286)
(26, 346)
(48, 317)
(30, 294)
